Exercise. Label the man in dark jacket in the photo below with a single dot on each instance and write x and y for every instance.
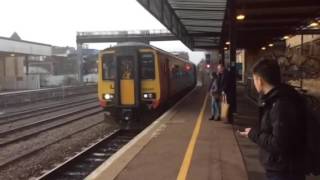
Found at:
(213, 90)
(280, 132)
(224, 88)
(223, 79)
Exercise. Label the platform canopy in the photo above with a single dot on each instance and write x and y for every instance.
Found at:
(15, 45)
(204, 24)
(270, 20)
(197, 23)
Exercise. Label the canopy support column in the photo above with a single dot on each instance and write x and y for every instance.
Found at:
(233, 55)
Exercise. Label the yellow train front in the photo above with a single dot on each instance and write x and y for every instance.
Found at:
(136, 76)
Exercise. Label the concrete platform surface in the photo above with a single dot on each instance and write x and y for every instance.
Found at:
(184, 144)
(214, 156)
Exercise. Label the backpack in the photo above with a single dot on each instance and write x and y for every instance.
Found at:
(312, 148)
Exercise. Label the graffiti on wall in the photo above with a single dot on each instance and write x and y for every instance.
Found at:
(303, 63)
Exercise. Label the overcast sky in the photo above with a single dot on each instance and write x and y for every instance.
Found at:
(57, 21)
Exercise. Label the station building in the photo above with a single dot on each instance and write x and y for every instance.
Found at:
(14, 55)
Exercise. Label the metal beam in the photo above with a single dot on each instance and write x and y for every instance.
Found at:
(297, 15)
(271, 20)
(198, 9)
(276, 3)
(124, 39)
(293, 25)
(180, 30)
(201, 19)
(279, 10)
(202, 26)
(206, 47)
(270, 28)
(176, 27)
(205, 34)
(307, 31)
(125, 36)
(79, 58)
(233, 49)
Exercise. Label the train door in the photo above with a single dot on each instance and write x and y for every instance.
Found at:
(127, 84)
(167, 77)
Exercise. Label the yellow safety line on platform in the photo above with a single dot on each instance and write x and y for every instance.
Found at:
(188, 156)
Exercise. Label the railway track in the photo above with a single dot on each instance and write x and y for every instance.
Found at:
(81, 165)
(32, 151)
(17, 116)
(31, 129)
(56, 102)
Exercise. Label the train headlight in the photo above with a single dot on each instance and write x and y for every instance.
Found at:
(149, 95)
(108, 96)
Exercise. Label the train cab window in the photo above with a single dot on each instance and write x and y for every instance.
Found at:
(147, 66)
(108, 67)
(126, 67)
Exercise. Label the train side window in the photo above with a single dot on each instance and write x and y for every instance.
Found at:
(108, 67)
(174, 71)
(147, 66)
(178, 71)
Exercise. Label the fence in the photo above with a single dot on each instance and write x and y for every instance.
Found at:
(31, 96)
(20, 83)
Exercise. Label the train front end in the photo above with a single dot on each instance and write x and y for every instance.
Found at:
(128, 81)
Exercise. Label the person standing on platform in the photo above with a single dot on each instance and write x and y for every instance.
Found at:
(224, 88)
(213, 90)
(280, 133)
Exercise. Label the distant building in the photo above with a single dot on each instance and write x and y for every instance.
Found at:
(15, 36)
(181, 54)
(62, 51)
(64, 61)
(90, 57)
(90, 52)
(15, 55)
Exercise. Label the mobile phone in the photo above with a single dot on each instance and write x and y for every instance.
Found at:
(240, 129)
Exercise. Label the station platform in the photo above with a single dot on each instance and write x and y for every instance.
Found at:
(185, 145)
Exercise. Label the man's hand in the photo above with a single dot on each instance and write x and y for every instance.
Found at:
(245, 133)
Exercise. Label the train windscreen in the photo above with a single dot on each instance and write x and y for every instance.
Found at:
(126, 67)
(108, 67)
(147, 66)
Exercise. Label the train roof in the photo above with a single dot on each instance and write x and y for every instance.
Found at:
(129, 44)
(143, 45)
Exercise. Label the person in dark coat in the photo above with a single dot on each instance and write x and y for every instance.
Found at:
(280, 133)
(215, 96)
(224, 88)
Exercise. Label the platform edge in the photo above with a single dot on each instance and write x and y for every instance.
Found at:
(117, 162)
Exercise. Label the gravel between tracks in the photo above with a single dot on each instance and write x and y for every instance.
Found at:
(12, 125)
(45, 159)
(46, 103)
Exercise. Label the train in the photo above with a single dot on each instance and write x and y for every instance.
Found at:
(135, 76)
